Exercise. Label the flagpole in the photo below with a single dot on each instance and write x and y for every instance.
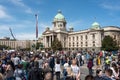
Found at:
(36, 32)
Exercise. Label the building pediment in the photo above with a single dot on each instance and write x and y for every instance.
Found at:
(48, 32)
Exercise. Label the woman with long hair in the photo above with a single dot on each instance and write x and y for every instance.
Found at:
(75, 69)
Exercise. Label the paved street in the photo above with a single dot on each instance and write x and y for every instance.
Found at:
(84, 71)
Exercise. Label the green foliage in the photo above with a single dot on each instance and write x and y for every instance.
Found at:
(56, 45)
(25, 49)
(108, 44)
(39, 45)
(4, 47)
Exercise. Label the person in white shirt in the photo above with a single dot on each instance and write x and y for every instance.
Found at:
(57, 69)
(76, 70)
(16, 60)
(115, 70)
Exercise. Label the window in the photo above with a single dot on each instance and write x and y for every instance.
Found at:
(77, 37)
(81, 44)
(60, 25)
(73, 38)
(73, 44)
(54, 24)
(77, 44)
(86, 37)
(86, 44)
(81, 37)
(69, 38)
(94, 43)
(114, 36)
(69, 44)
(64, 24)
(64, 38)
(93, 36)
(93, 49)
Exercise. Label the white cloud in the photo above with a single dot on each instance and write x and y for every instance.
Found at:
(32, 36)
(21, 4)
(17, 2)
(110, 6)
(4, 28)
(26, 36)
(24, 30)
(44, 25)
(4, 31)
(3, 13)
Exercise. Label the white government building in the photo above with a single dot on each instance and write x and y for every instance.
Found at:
(89, 39)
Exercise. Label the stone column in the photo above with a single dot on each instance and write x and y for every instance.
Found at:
(49, 41)
(45, 42)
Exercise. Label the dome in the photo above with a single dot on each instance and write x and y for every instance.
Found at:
(59, 17)
(95, 25)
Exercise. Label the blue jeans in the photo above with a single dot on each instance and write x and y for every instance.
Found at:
(90, 71)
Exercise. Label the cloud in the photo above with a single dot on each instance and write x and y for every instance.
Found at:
(110, 6)
(23, 30)
(44, 25)
(26, 36)
(3, 13)
(4, 31)
(31, 36)
(3, 28)
(20, 3)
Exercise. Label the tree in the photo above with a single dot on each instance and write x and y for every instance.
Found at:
(39, 45)
(4, 47)
(56, 45)
(108, 44)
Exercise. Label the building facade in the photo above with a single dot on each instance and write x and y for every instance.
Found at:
(17, 44)
(89, 39)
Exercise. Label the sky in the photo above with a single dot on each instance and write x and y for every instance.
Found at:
(19, 15)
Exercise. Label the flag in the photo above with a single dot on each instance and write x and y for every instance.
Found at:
(36, 25)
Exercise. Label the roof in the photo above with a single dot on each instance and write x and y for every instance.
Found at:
(95, 25)
(115, 28)
(59, 16)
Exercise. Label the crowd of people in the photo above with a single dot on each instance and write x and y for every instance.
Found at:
(19, 65)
